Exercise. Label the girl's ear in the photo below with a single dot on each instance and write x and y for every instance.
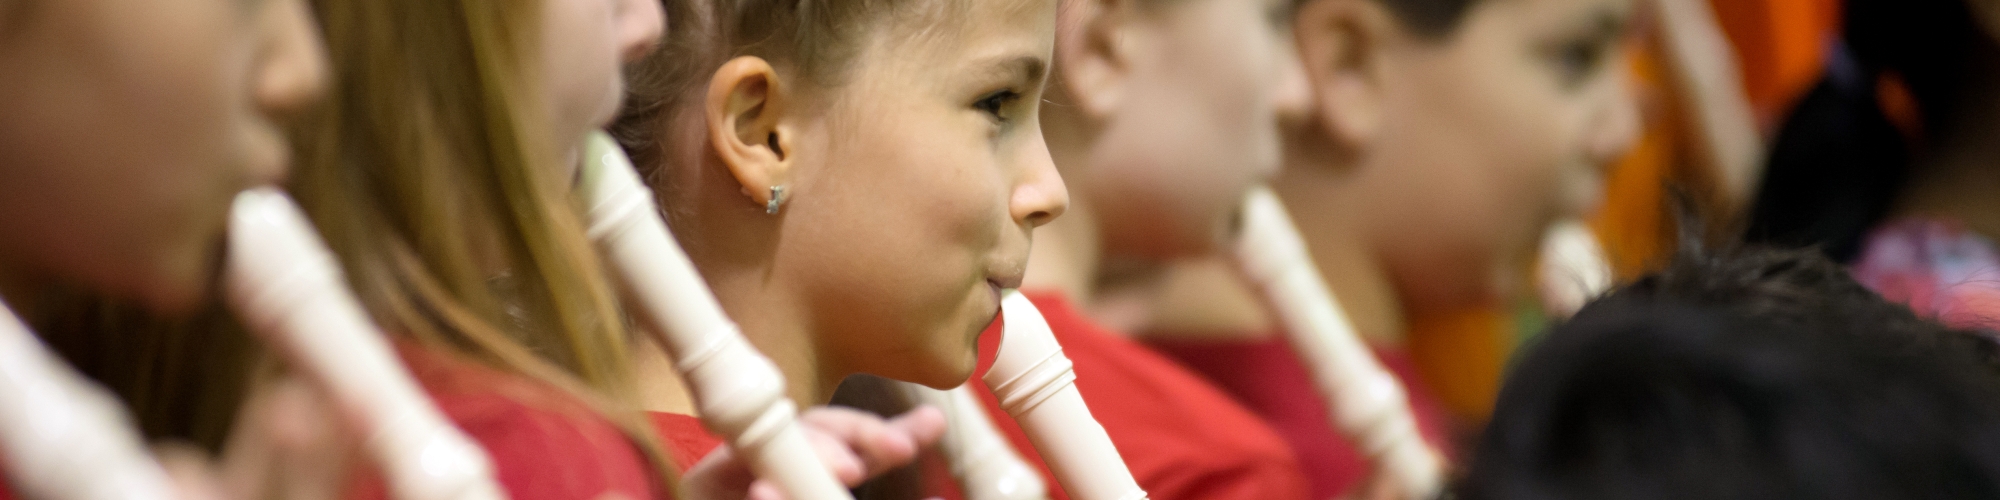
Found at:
(1341, 46)
(1093, 52)
(745, 107)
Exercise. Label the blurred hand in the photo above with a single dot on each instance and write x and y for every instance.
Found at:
(854, 445)
(193, 474)
(1377, 487)
(1381, 486)
(287, 443)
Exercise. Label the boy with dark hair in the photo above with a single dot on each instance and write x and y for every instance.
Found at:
(1745, 374)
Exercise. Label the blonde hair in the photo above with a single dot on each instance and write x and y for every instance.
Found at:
(425, 172)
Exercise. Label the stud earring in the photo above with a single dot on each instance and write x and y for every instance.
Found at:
(777, 199)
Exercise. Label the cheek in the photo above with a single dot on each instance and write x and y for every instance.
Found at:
(901, 235)
(1515, 155)
(1195, 133)
(135, 146)
(1231, 84)
(580, 62)
(1469, 169)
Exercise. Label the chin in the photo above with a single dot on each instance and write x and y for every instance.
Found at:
(174, 296)
(183, 282)
(945, 373)
(955, 360)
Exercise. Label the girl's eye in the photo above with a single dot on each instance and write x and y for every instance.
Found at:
(1578, 60)
(993, 103)
(1279, 14)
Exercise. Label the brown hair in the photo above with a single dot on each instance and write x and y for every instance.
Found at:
(812, 40)
(423, 171)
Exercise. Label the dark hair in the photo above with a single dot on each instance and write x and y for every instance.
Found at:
(1839, 161)
(182, 379)
(1928, 44)
(1430, 18)
(1747, 374)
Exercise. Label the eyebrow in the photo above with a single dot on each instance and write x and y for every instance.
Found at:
(1025, 68)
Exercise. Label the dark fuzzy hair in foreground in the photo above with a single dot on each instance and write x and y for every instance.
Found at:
(1745, 374)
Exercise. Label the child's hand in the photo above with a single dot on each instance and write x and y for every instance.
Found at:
(287, 443)
(855, 445)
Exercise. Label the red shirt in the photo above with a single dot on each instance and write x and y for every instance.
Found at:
(545, 443)
(684, 437)
(1183, 438)
(1268, 378)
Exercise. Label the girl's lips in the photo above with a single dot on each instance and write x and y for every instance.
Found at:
(1005, 283)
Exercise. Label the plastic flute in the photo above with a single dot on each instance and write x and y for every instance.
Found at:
(740, 392)
(1367, 403)
(62, 437)
(1036, 384)
(986, 466)
(287, 287)
(1572, 269)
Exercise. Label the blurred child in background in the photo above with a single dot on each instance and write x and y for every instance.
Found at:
(1162, 116)
(435, 170)
(126, 129)
(1445, 138)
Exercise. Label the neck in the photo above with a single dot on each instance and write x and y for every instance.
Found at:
(1330, 221)
(739, 259)
(1208, 300)
(739, 262)
(781, 328)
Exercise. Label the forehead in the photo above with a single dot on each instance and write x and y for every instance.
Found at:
(958, 28)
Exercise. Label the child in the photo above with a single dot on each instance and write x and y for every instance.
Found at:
(856, 180)
(1166, 114)
(126, 130)
(434, 171)
(1446, 136)
(442, 174)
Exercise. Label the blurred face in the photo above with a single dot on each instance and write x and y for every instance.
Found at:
(585, 43)
(918, 187)
(127, 127)
(1195, 127)
(1490, 135)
